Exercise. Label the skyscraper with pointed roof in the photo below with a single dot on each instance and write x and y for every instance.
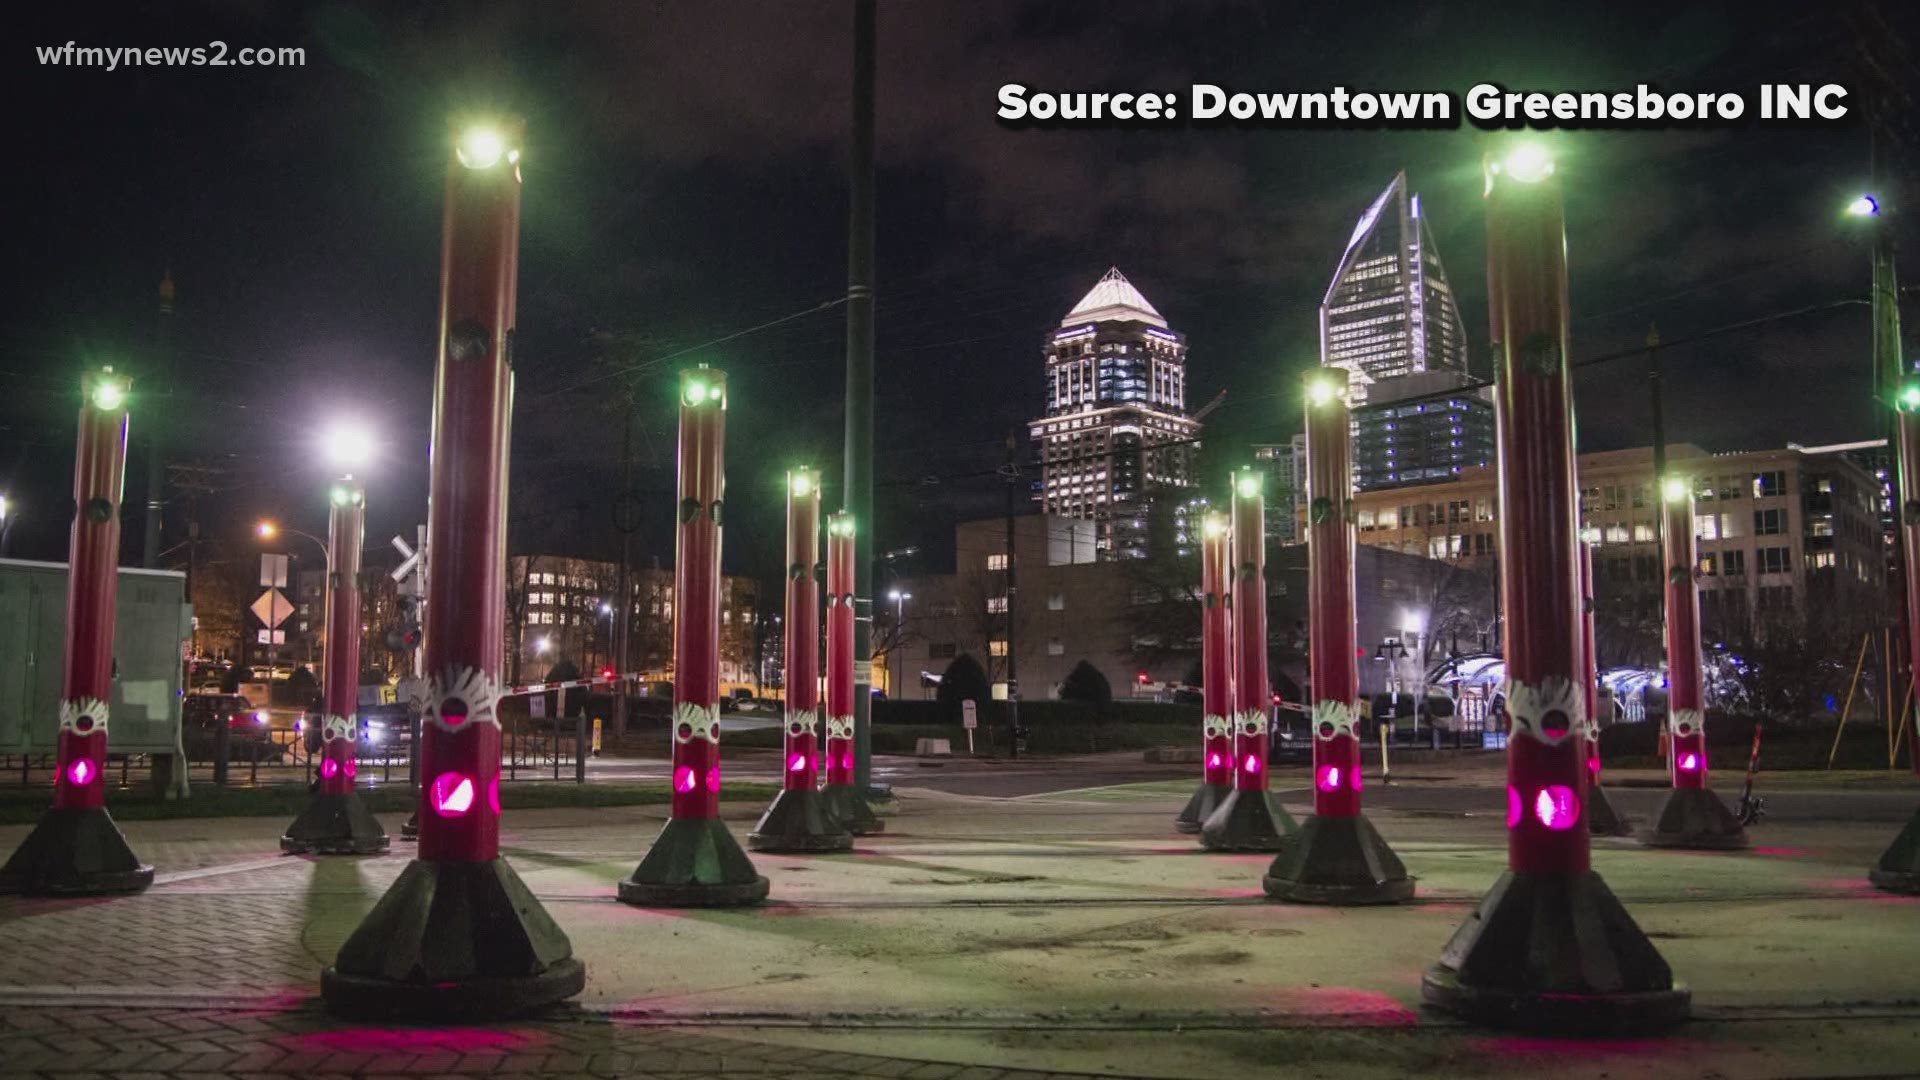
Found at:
(1390, 310)
(1116, 431)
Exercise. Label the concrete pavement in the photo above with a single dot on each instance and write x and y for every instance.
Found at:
(1068, 932)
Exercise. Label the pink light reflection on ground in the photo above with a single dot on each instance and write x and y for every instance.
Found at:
(1343, 1006)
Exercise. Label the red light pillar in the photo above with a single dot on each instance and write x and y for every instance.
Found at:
(76, 849)
(458, 934)
(1216, 676)
(1898, 868)
(846, 805)
(695, 861)
(1338, 857)
(1549, 947)
(1249, 818)
(1602, 818)
(336, 821)
(798, 819)
(1693, 817)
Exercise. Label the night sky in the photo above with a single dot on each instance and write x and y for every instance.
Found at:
(685, 180)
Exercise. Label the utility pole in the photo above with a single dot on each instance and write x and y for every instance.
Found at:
(1012, 472)
(156, 469)
(859, 439)
(625, 518)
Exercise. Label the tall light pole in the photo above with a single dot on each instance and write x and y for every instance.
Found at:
(859, 435)
(1216, 676)
(268, 530)
(1549, 947)
(799, 819)
(76, 849)
(1898, 868)
(1338, 857)
(695, 861)
(1693, 817)
(336, 821)
(459, 935)
(1249, 818)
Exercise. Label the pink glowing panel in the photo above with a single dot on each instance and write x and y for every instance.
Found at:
(683, 779)
(329, 768)
(1330, 778)
(798, 763)
(1557, 807)
(1252, 764)
(1690, 763)
(1593, 765)
(1513, 807)
(352, 769)
(81, 773)
(1355, 780)
(846, 760)
(493, 795)
(451, 794)
(1213, 761)
(713, 779)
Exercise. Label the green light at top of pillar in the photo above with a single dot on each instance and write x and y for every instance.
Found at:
(1528, 163)
(339, 495)
(482, 146)
(1864, 206)
(841, 525)
(702, 386)
(1321, 391)
(800, 482)
(1909, 399)
(108, 391)
(1675, 488)
(1247, 484)
(1214, 526)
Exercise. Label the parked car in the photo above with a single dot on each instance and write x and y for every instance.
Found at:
(249, 737)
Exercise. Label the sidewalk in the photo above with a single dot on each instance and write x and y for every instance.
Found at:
(1064, 934)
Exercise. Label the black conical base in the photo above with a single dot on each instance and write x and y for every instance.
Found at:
(410, 828)
(335, 824)
(797, 821)
(453, 941)
(1602, 818)
(1247, 821)
(1338, 860)
(1206, 799)
(694, 862)
(74, 852)
(1556, 953)
(1899, 867)
(848, 809)
(1696, 818)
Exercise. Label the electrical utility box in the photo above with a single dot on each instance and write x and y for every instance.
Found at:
(152, 625)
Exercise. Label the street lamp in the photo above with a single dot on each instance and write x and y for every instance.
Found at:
(347, 444)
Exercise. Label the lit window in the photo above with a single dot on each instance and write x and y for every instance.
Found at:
(996, 562)
(997, 647)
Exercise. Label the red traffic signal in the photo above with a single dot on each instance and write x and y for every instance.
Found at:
(1144, 679)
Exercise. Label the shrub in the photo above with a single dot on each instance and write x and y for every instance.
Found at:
(1085, 684)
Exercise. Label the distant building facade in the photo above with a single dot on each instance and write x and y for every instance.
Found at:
(1116, 431)
(1390, 311)
(1777, 529)
(1286, 489)
(554, 613)
(1421, 429)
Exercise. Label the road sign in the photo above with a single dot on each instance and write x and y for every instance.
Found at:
(969, 714)
(271, 637)
(537, 706)
(273, 571)
(272, 608)
(863, 672)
